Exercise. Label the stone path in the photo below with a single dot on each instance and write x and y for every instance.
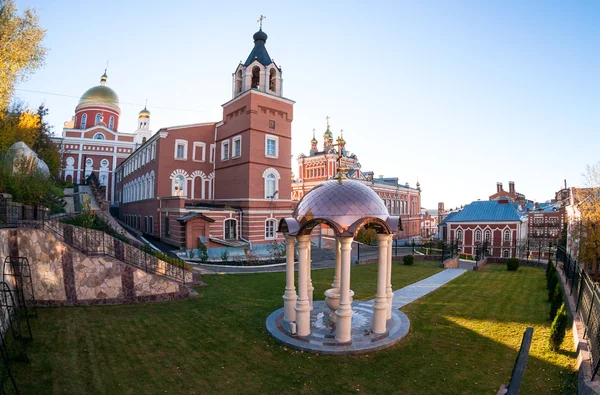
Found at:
(322, 339)
(85, 191)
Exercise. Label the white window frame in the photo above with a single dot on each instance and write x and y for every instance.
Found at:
(97, 118)
(213, 148)
(223, 150)
(236, 139)
(487, 235)
(236, 228)
(199, 144)
(99, 134)
(273, 231)
(272, 138)
(459, 234)
(477, 235)
(275, 174)
(185, 149)
(507, 232)
(83, 121)
(184, 189)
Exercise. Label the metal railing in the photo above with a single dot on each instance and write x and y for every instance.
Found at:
(437, 250)
(587, 302)
(93, 242)
(11, 213)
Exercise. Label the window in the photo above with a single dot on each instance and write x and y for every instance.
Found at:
(477, 235)
(212, 153)
(272, 80)
(459, 234)
(487, 235)
(271, 177)
(237, 147)
(181, 149)
(506, 235)
(271, 124)
(151, 225)
(238, 82)
(505, 254)
(230, 229)
(104, 163)
(270, 228)
(179, 185)
(271, 146)
(98, 118)
(89, 162)
(255, 77)
(167, 232)
(199, 154)
(225, 150)
(83, 121)
(111, 123)
(145, 224)
(99, 136)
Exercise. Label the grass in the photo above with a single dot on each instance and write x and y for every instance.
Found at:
(464, 338)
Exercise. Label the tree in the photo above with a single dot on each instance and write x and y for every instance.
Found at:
(21, 49)
(588, 226)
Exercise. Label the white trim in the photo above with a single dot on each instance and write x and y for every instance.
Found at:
(273, 138)
(179, 142)
(237, 234)
(233, 141)
(223, 158)
(213, 151)
(274, 220)
(271, 172)
(199, 144)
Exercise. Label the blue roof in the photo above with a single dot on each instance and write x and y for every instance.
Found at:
(259, 52)
(449, 216)
(486, 211)
(542, 207)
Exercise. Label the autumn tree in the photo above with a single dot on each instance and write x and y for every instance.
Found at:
(589, 218)
(21, 49)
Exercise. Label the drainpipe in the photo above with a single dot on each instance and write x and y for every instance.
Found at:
(241, 238)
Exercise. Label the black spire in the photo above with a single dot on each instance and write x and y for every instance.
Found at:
(259, 52)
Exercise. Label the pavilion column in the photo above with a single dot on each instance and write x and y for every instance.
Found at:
(302, 304)
(343, 332)
(389, 292)
(381, 303)
(309, 285)
(338, 264)
(289, 296)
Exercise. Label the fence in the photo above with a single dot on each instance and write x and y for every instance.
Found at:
(587, 296)
(11, 212)
(93, 242)
(435, 250)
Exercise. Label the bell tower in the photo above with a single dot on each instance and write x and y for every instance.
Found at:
(254, 143)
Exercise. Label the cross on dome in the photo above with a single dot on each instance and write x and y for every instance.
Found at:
(262, 17)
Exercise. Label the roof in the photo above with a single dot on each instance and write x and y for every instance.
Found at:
(259, 52)
(448, 217)
(486, 211)
(190, 216)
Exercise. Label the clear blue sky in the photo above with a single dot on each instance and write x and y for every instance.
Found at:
(459, 94)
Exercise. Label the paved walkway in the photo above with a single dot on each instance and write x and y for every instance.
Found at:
(412, 292)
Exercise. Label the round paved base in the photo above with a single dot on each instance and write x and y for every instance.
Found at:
(322, 337)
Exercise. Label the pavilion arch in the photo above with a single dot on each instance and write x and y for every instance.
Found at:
(380, 226)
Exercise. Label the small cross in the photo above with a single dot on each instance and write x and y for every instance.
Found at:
(327, 118)
(260, 20)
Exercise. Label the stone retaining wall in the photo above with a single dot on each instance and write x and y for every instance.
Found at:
(62, 276)
(450, 263)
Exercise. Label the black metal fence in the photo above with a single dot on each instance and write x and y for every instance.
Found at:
(93, 242)
(435, 249)
(11, 213)
(587, 296)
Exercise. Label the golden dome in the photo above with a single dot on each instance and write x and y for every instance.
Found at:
(144, 113)
(100, 95)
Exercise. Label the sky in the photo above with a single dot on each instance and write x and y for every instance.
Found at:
(456, 94)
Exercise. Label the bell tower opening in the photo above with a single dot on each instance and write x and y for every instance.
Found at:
(238, 82)
(273, 80)
(255, 77)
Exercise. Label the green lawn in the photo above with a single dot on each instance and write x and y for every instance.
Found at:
(464, 339)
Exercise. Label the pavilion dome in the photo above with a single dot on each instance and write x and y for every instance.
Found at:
(343, 203)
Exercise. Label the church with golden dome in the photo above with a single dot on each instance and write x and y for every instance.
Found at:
(91, 141)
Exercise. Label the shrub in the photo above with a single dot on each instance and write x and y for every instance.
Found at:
(202, 252)
(549, 268)
(225, 255)
(552, 282)
(556, 302)
(513, 264)
(408, 259)
(191, 254)
(551, 272)
(558, 328)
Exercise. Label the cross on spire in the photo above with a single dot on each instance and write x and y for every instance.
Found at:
(327, 118)
(260, 20)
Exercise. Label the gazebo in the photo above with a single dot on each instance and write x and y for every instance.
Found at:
(345, 206)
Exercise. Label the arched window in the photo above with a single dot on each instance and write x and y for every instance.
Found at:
(230, 229)
(99, 136)
(89, 162)
(255, 77)
(507, 235)
(238, 82)
(83, 121)
(98, 118)
(487, 235)
(270, 186)
(459, 234)
(478, 235)
(179, 185)
(272, 80)
(145, 224)
(111, 123)
(505, 254)
(270, 226)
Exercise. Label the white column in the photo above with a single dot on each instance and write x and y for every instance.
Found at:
(381, 306)
(302, 304)
(289, 296)
(338, 264)
(388, 290)
(343, 332)
(309, 285)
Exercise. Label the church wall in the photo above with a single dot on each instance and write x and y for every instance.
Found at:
(91, 116)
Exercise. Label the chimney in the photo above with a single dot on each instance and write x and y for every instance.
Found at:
(440, 207)
(498, 187)
(537, 205)
(511, 186)
(503, 201)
